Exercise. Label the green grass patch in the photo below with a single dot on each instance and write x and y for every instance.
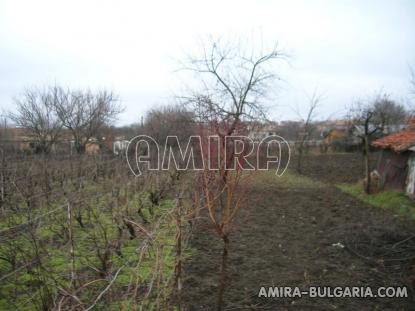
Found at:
(289, 179)
(102, 219)
(388, 199)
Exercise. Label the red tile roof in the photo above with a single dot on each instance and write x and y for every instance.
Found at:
(398, 142)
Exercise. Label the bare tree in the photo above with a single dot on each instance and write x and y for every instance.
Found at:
(363, 117)
(35, 113)
(307, 126)
(412, 81)
(372, 117)
(234, 84)
(4, 129)
(388, 112)
(85, 113)
(169, 120)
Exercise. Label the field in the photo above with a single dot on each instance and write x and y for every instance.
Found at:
(82, 233)
(302, 230)
(183, 156)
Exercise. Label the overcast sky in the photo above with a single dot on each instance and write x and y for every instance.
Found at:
(348, 49)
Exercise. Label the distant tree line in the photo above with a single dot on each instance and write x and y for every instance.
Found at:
(372, 117)
(45, 113)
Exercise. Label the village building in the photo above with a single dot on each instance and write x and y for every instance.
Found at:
(20, 139)
(396, 163)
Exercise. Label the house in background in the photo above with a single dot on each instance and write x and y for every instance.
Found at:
(105, 144)
(340, 139)
(334, 134)
(115, 144)
(258, 132)
(16, 138)
(396, 163)
(119, 145)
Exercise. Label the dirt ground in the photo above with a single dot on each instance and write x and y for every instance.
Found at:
(286, 238)
(335, 168)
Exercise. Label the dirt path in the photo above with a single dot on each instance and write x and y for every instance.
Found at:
(287, 239)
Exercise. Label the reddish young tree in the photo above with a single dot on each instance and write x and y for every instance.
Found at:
(234, 84)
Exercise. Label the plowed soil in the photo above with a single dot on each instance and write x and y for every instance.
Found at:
(303, 234)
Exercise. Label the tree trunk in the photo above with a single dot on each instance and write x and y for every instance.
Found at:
(300, 156)
(178, 268)
(2, 182)
(367, 165)
(72, 248)
(223, 272)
